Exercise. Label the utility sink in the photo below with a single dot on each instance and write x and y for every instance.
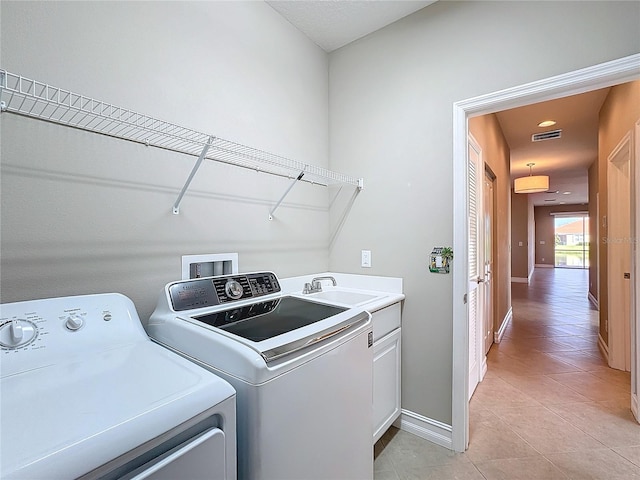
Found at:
(340, 296)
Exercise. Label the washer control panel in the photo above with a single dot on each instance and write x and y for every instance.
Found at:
(206, 292)
(38, 332)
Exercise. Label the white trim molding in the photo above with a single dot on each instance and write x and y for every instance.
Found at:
(594, 301)
(497, 336)
(519, 280)
(622, 70)
(424, 427)
(544, 265)
(604, 348)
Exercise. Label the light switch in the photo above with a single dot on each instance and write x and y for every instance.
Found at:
(542, 242)
(520, 244)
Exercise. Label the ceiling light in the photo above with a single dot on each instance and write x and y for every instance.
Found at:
(547, 123)
(532, 183)
(566, 193)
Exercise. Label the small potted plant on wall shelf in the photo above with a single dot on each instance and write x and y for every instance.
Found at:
(447, 256)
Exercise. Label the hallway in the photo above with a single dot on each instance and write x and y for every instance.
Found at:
(548, 407)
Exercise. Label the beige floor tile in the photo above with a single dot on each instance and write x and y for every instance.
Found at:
(531, 468)
(630, 453)
(595, 465)
(591, 386)
(386, 475)
(411, 452)
(546, 390)
(492, 439)
(546, 363)
(546, 431)
(612, 426)
(457, 471)
(617, 377)
(495, 394)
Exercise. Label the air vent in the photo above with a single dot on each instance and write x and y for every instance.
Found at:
(550, 200)
(539, 137)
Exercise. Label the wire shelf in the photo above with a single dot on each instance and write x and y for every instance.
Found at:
(39, 100)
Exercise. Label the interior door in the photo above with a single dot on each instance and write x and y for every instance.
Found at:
(475, 292)
(488, 263)
(619, 255)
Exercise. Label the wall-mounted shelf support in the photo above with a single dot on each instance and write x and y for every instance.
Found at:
(285, 194)
(203, 154)
(31, 98)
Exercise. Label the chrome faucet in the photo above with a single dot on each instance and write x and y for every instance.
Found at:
(316, 285)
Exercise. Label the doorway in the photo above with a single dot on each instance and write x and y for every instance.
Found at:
(591, 78)
(619, 255)
(571, 245)
(488, 233)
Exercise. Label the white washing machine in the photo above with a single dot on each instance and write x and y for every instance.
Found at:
(86, 394)
(302, 369)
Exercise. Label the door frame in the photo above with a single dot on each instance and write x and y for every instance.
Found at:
(580, 81)
(619, 328)
(635, 307)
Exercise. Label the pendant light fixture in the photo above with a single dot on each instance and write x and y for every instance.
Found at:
(532, 183)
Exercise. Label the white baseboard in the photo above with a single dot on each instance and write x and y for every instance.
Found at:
(484, 368)
(497, 336)
(603, 348)
(594, 301)
(544, 265)
(424, 427)
(519, 280)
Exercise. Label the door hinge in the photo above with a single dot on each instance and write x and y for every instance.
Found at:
(627, 275)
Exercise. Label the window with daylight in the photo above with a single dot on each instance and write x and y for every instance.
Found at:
(572, 241)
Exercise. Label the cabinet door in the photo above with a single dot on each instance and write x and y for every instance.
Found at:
(386, 382)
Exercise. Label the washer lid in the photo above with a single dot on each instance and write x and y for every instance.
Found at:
(64, 420)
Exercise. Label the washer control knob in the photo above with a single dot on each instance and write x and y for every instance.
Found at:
(17, 333)
(74, 322)
(233, 289)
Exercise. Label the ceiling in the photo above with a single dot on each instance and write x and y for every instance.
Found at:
(332, 24)
(566, 159)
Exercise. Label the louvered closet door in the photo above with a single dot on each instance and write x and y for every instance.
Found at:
(475, 262)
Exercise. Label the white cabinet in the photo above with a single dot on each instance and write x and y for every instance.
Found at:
(386, 368)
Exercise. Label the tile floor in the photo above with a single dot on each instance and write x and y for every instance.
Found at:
(548, 407)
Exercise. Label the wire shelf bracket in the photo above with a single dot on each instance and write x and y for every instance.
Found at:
(176, 206)
(285, 194)
(31, 98)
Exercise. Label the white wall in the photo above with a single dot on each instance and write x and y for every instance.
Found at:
(83, 213)
(391, 121)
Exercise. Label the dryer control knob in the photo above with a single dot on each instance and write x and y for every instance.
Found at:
(17, 333)
(233, 289)
(74, 322)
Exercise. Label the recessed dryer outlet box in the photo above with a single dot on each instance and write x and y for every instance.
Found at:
(198, 266)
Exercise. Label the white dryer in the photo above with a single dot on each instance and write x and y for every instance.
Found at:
(86, 394)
